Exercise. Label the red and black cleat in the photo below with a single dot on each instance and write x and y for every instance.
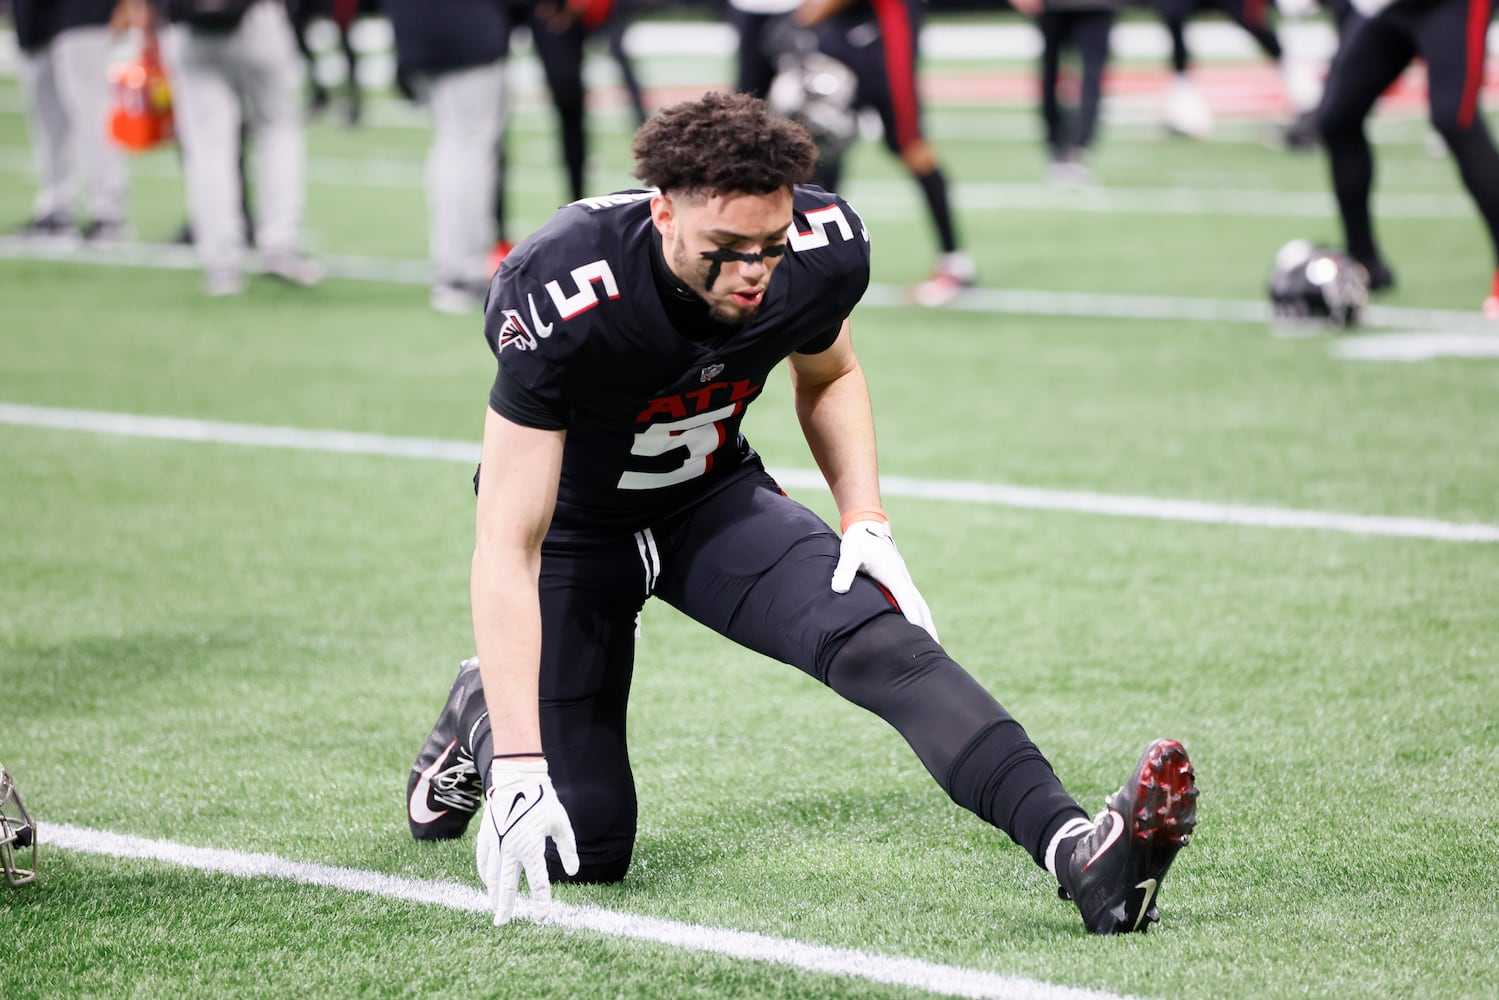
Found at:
(1114, 873)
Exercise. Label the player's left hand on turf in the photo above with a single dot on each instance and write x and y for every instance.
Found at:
(868, 548)
(521, 811)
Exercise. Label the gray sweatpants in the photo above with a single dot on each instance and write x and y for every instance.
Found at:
(468, 116)
(67, 111)
(219, 79)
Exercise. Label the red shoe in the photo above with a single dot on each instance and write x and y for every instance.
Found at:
(497, 255)
(1491, 304)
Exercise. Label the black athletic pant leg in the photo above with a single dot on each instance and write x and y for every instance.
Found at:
(560, 50)
(1054, 26)
(1451, 36)
(1254, 17)
(1090, 36)
(591, 595)
(756, 69)
(1173, 15)
(1373, 54)
(756, 567)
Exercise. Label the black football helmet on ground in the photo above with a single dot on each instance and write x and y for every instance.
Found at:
(1317, 287)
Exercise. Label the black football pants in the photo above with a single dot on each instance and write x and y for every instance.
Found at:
(756, 566)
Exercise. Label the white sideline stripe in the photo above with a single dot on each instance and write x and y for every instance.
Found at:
(977, 300)
(909, 972)
(1418, 346)
(995, 494)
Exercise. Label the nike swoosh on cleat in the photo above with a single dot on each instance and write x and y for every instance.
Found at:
(1108, 841)
(421, 812)
(1149, 885)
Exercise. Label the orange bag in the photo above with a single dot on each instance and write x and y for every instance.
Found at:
(142, 114)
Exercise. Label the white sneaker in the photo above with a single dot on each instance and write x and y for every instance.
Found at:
(1069, 170)
(1186, 112)
(222, 284)
(293, 268)
(955, 272)
(456, 300)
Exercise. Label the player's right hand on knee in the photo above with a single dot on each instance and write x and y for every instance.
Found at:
(521, 811)
(868, 548)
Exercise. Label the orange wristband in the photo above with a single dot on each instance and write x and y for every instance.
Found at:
(862, 514)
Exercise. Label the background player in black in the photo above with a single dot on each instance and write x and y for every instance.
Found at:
(878, 39)
(631, 332)
(1084, 26)
(558, 32)
(342, 13)
(1186, 111)
(1379, 43)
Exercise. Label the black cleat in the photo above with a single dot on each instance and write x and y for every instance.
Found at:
(444, 790)
(1116, 868)
(1381, 278)
(1302, 134)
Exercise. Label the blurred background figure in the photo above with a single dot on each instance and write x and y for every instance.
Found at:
(64, 71)
(451, 55)
(1382, 39)
(1187, 111)
(1083, 26)
(342, 14)
(756, 23)
(611, 19)
(234, 63)
(877, 41)
(558, 34)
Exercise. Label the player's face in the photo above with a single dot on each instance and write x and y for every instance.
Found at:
(725, 247)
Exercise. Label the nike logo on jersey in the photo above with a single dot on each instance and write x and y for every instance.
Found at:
(542, 329)
(1149, 885)
(1115, 830)
(421, 812)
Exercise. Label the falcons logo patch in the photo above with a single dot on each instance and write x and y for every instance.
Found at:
(513, 333)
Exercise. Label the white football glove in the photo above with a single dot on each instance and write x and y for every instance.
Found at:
(868, 547)
(521, 811)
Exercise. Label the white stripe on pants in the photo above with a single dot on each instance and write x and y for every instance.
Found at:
(468, 118)
(251, 74)
(67, 83)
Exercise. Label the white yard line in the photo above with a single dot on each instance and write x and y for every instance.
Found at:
(995, 494)
(914, 973)
(1016, 301)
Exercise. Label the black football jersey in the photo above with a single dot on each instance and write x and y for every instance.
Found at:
(585, 340)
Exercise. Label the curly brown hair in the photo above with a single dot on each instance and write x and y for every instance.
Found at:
(722, 144)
